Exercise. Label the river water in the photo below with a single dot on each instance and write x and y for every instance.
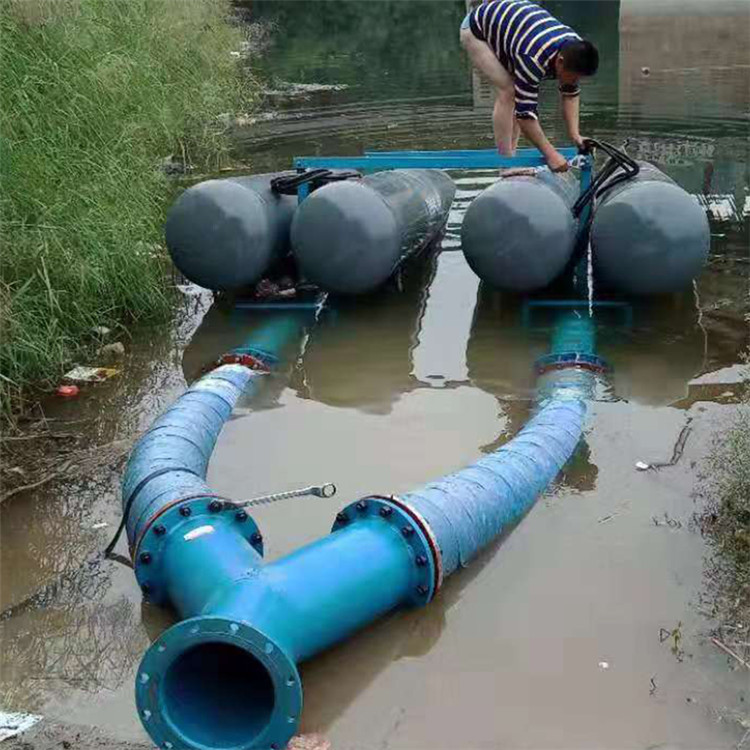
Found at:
(555, 638)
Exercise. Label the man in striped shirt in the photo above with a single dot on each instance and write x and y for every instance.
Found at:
(516, 44)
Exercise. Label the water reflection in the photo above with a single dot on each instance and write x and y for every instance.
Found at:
(682, 57)
(70, 624)
(84, 642)
(360, 353)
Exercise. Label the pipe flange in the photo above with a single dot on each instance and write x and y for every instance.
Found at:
(195, 649)
(388, 511)
(565, 360)
(183, 517)
(429, 534)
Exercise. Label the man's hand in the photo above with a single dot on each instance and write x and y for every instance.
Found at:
(580, 141)
(557, 162)
(533, 131)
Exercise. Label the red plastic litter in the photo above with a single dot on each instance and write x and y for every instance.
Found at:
(68, 391)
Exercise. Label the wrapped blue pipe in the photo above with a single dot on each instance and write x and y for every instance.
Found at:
(468, 509)
(226, 676)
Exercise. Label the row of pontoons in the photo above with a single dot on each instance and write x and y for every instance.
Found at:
(351, 232)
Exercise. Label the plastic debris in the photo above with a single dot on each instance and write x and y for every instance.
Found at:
(68, 391)
(11, 725)
(100, 525)
(90, 374)
(603, 665)
(642, 466)
(101, 331)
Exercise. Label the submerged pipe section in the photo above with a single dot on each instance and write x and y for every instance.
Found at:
(226, 676)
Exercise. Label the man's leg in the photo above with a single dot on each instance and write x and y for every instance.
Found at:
(504, 122)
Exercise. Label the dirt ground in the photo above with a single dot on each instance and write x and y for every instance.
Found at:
(52, 736)
(49, 735)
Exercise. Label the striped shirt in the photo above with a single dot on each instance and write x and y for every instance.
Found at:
(526, 40)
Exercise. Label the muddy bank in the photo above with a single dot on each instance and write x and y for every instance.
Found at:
(50, 735)
(55, 736)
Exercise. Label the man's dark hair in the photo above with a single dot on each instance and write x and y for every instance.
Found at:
(581, 56)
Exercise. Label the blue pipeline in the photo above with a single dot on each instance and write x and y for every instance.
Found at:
(468, 509)
(226, 676)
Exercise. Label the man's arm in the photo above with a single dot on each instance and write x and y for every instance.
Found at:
(570, 112)
(532, 130)
(527, 75)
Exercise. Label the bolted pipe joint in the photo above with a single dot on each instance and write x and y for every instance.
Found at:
(226, 677)
(180, 527)
(216, 682)
(415, 534)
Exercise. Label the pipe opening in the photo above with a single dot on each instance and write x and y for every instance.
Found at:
(217, 695)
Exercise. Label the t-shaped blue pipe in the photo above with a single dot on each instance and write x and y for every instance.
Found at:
(226, 676)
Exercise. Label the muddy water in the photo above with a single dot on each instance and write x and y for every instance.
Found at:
(551, 639)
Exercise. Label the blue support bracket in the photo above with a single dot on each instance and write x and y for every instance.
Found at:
(303, 191)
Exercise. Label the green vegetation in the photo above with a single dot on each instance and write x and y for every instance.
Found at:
(94, 95)
(725, 521)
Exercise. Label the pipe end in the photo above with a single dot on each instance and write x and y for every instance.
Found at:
(212, 683)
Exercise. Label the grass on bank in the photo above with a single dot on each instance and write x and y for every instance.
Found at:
(94, 95)
(725, 522)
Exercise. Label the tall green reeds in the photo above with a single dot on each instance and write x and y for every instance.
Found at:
(94, 94)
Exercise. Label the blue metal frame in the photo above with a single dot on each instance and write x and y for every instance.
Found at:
(448, 159)
(459, 159)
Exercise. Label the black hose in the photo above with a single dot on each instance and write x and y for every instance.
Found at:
(289, 184)
(618, 160)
